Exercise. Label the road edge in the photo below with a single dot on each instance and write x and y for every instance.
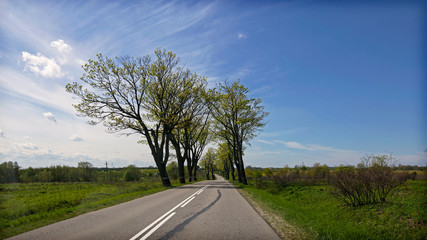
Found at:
(284, 229)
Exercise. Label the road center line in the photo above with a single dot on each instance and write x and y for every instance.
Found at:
(156, 227)
(166, 214)
(183, 205)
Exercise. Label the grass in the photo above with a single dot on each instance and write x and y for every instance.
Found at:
(315, 210)
(24, 207)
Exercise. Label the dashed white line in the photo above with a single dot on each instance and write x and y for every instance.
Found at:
(166, 215)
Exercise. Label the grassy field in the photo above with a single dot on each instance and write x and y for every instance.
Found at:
(314, 210)
(28, 206)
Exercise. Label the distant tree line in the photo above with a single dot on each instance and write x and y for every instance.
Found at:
(11, 172)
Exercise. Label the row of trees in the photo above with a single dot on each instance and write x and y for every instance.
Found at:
(11, 172)
(169, 107)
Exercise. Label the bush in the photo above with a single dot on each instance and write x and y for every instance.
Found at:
(132, 173)
(285, 177)
(172, 170)
(369, 183)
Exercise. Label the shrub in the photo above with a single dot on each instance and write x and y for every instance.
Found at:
(132, 173)
(285, 177)
(172, 170)
(370, 182)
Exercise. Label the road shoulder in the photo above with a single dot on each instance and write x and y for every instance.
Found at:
(284, 229)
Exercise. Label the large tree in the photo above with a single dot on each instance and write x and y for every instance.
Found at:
(192, 132)
(237, 118)
(137, 96)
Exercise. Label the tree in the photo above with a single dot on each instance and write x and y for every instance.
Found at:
(87, 171)
(195, 137)
(224, 161)
(237, 118)
(190, 138)
(208, 162)
(9, 172)
(137, 96)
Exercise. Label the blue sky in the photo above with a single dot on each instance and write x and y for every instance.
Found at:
(340, 80)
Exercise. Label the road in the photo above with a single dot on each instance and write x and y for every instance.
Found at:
(204, 210)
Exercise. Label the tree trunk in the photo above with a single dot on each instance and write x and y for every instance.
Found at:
(232, 168)
(190, 171)
(181, 171)
(241, 164)
(163, 174)
(239, 171)
(179, 157)
(227, 173)
(194, 173)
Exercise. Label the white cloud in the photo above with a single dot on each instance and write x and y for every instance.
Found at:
(76, 138)
(42, 65)
(295, 145)
(61, 46)
(80, 62)
(1, 133)
(27, 146)
(241, 36)
(18, 84)
(50, 116)
(265, 141)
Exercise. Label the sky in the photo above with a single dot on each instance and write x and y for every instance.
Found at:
(340, 81)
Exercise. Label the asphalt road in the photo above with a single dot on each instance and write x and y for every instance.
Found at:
(204, 210)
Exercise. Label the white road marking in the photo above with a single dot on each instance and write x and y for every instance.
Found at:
(156, 227)
(183, 205)
(166, 214)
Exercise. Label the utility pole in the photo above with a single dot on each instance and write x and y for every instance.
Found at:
(106, 171)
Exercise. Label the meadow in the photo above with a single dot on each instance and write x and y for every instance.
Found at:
(26, 206)
(315, 211)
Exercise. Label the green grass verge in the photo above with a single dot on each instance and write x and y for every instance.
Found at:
(24, 207)
(322, 216)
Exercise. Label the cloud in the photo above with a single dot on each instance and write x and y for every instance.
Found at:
(50, 116)
(27, 146)
(42, 65)
(308, 147)
(76, 138)
(61, 46)
(80, 62)
(265, 141)
(241, 36)
(295, 145)
(1, 133)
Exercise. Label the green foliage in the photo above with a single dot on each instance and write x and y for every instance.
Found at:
(132, 173)
(172, 169)
(314, 209)
(9, 172)
(208, 162)
(237, 118)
